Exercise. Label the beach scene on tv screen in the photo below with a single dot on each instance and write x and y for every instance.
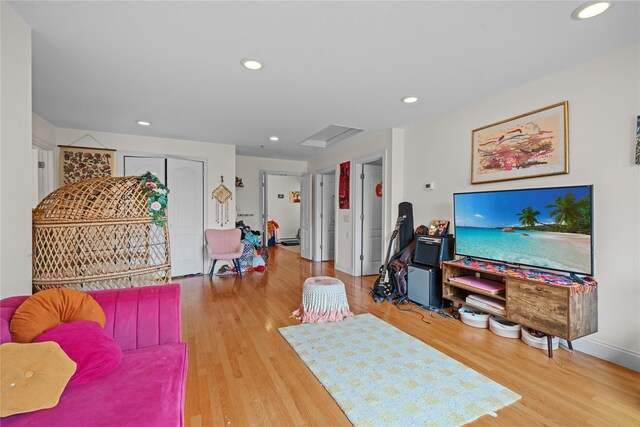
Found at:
(548, 227)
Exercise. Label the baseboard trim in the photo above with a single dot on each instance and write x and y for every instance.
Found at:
(611, 353)
(343, 268)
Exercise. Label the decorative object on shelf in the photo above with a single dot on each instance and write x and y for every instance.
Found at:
(343, 188)
(294, 196)
(379, 189)
(438, 227)
(222, 195)
(529, 145)
(239, 182)
(156, 197)
(99, 234)
(589, 283)
(80, 163)
(638, 142)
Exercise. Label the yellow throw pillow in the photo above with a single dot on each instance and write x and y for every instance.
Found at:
(33, 376)
(50, 308)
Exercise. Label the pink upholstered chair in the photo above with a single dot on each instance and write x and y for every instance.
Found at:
(226, 245)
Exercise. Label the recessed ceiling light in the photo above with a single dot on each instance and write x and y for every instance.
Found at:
(410, 99)
(590, 9)
(143, 123)
(274, 138)
(251, 64)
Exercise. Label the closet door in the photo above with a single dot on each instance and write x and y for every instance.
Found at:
(186, 216)
(135, 165)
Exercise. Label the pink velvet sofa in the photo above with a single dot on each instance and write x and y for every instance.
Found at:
(148, 387)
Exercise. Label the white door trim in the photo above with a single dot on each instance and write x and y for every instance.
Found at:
(357, 206)
(316, 221)
(264, 205)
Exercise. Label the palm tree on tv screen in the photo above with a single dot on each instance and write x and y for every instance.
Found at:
(566, 211)
(527, 217)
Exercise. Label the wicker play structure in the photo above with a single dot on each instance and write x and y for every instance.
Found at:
(98, 234)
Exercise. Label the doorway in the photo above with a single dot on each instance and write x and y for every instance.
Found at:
(42, 173)
(185, 180)
(283, 200)
(370, 204)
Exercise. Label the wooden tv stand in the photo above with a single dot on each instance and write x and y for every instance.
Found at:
(567, 311)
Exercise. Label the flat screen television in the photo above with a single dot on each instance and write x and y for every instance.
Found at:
(548, 228)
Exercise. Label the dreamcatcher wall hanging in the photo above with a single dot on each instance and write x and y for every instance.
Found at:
(222, 195)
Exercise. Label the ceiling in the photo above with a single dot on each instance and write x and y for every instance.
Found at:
(104, 65)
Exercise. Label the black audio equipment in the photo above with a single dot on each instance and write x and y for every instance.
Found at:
(432, 250)
(425, 285)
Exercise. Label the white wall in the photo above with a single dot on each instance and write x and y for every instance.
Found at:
(15, 154)
(285, 213)
(604, 101)
(356, 148)
(43, 133)
(248, 198)
(219, 159)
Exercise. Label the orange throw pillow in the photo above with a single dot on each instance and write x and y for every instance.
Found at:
(50, 308)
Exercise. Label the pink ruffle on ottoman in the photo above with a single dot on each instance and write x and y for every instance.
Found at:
(323, 300)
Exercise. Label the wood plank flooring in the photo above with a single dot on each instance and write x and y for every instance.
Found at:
(243, 373)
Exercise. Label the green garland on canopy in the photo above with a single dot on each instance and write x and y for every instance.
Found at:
(156, 197)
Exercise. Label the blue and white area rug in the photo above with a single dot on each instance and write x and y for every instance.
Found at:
(381, 376)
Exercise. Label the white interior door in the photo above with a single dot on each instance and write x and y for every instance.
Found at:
(186, 216)
(328, 216)
(305, 216)
(371, 220)
(134, 165)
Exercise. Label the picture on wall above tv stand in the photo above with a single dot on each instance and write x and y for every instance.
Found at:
(549, 228)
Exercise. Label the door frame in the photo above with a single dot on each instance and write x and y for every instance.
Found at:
(357, 206)
(317, 209)
(263, 185)
(120, 155)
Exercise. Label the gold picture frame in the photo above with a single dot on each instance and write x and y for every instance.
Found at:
(530, 145)
(80, 163)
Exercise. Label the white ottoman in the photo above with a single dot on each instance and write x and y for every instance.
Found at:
(323, 300)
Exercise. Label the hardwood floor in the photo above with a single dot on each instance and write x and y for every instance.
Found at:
(243, 373)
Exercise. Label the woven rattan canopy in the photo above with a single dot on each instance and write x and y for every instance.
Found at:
(98, 234)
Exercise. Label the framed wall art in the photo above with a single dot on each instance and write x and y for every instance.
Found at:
(294, 196)
(80, 163)
(638, 141)
(343, 186)
(529, 145)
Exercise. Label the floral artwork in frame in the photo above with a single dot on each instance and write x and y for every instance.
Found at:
(638, 141)
(343, 188)
(80, 163)
(526, 146)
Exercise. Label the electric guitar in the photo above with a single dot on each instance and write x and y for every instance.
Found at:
(382, 286)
